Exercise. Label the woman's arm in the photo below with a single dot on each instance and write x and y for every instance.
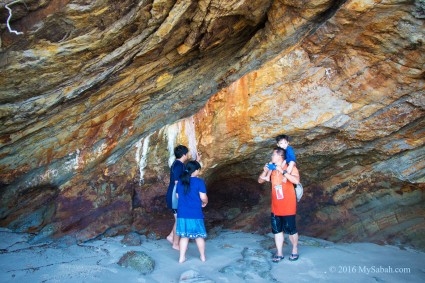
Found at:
(204, 199)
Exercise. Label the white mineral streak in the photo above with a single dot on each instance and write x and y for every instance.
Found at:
(141, 157)
(191, 136)
(172, 132)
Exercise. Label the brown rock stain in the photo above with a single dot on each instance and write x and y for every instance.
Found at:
(8, 175)
(92, 135)
(236, 107)
(123, 120)
(5, 139)
(49, 155)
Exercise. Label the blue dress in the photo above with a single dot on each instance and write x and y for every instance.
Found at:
(190, 219)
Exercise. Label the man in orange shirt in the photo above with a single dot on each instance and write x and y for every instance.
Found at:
(284, 202)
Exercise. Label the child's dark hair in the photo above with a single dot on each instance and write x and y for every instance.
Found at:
(281, 152)
(191, 167)
(180, 150)
(282, 137)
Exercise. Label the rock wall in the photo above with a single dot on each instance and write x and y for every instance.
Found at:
(92, 96)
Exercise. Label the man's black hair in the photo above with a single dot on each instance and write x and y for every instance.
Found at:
(281, 152)
(180, 150)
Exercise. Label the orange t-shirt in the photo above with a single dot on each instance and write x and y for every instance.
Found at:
(287, 205)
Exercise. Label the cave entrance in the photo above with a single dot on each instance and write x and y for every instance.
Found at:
(237, 204)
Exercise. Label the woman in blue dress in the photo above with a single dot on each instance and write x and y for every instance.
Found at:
(192, 195)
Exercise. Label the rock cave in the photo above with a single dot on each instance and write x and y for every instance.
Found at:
(96, 94)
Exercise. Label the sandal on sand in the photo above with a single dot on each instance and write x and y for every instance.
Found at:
(277, 258)
(294, 257)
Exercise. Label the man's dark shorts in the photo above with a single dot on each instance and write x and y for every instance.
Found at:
(284, 224)
(174, 211)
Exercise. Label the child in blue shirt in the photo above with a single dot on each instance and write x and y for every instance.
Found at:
(290, 159)
(283, 142)
(192, 195)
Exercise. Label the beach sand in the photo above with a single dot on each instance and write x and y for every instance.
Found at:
(231, 257)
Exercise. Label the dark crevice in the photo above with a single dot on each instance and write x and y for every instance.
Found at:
(136, 200)
(232, 202)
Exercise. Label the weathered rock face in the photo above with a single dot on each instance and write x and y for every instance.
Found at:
(91, 94)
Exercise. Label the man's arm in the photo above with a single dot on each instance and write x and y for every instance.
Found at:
(294, 178)
(265, 175)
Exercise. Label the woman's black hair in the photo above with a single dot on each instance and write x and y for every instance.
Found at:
(191, 167)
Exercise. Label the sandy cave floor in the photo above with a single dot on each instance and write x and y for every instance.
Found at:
(231, 257)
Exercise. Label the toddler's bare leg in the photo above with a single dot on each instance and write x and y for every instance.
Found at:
(267, 177)
(290, 167)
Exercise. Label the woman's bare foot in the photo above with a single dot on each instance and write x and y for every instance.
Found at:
(203, 259)
(176, 247)
(170, 238)
(181, 260)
